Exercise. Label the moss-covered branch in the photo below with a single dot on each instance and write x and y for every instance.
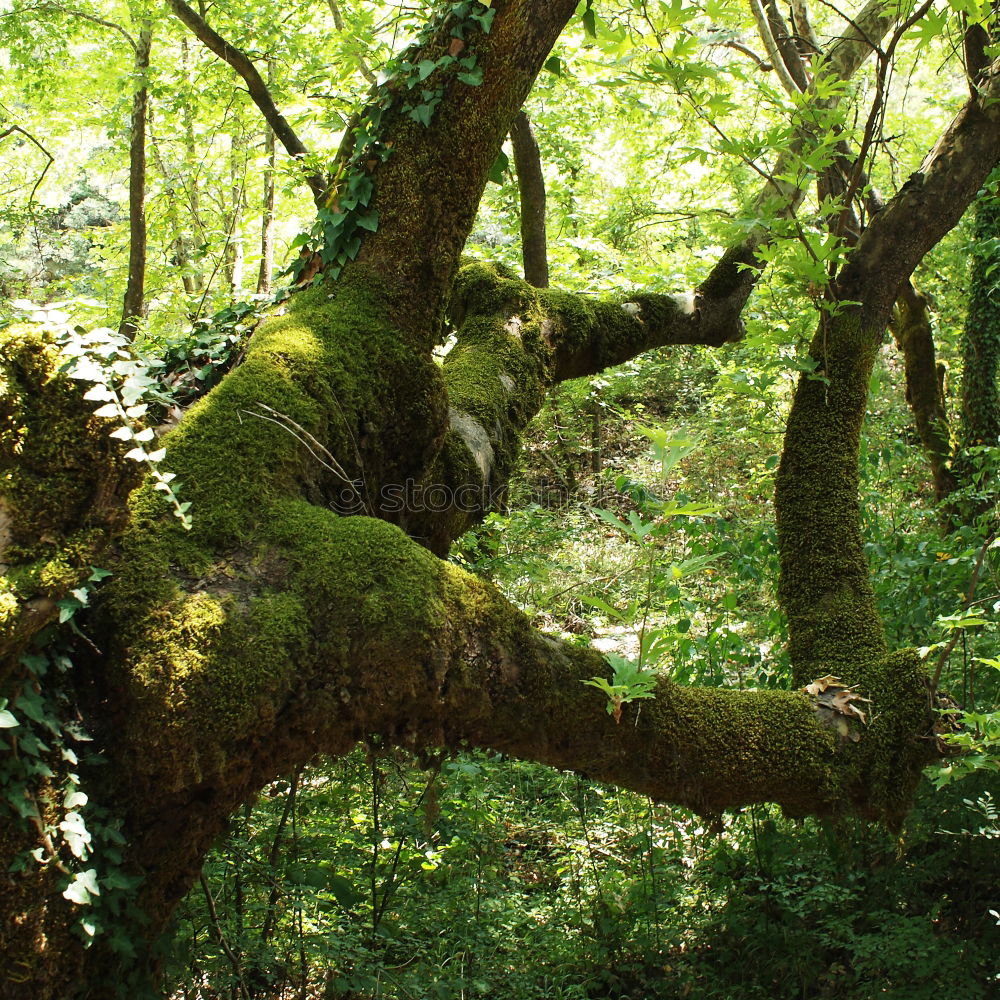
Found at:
(370, 633)
(514, 343)
(825, 586)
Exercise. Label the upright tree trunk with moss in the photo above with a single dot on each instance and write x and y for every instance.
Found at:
(925, 385)
(308, 606)
(981, 336)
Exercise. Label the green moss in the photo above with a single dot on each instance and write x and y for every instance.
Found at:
(8, 607)
(337, 368)
(981, 334)
(202, 655)
(898, 743)
(825, 588)
(206, 671)
(57, 460)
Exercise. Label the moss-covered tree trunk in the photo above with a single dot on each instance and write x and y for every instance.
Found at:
(308, 606)
(981, 336)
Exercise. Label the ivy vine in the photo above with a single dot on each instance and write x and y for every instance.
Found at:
(346, 215)
(45, 748)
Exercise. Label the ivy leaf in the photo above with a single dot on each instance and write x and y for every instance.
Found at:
(7, 721)
(473, 78)
(499, 168)
(369, 221)
(83, 887)
(75, 799)
(424, 68)
(422, 113)
(99, 393)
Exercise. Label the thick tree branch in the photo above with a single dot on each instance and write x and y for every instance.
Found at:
(416, 250)
(790, 54)
(259, 93)
(514, 344)
(805, 36)
(825, 585)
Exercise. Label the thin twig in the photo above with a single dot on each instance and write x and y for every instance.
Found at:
(55, 8)
(221, 938)
(308, 441)
(878, 107)
(17, 128)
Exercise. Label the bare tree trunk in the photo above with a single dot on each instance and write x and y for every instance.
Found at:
(134, 306)
(267, 224)
(189, 273)
(914, 335)
(531, 185)
(235, 249)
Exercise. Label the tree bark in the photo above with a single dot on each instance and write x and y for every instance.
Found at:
(925, 391)
(134, 307)
(980, 423)
(235, 249)
(267, 215)
(531, 188)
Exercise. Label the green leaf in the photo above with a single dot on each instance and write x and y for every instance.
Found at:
(343, 891)
(422, 113)
(596, 602)
(473, 78)
(99, 393)
(499, 168)
(83, 887)
(7, 721)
